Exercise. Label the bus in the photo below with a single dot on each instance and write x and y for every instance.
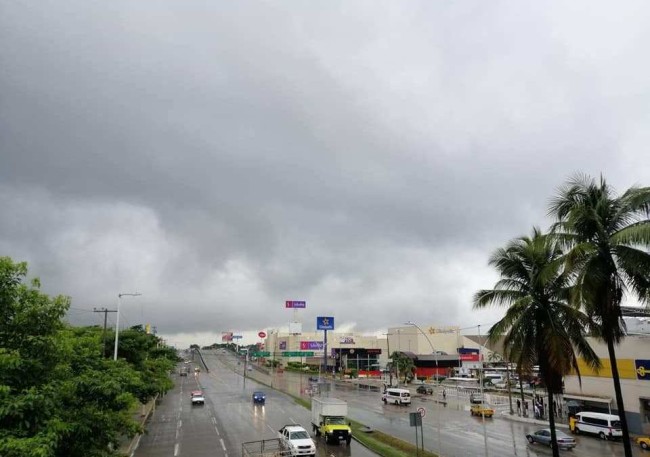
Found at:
(468, 384)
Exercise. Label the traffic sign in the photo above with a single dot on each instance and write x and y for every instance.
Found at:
(262, 334)
(422, 411)
(324, 323)
(298, 354)
(261, 354)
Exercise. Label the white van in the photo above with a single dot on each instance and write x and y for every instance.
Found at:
(606, 426)
(396, 396)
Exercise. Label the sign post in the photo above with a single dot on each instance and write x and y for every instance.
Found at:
(325, 323)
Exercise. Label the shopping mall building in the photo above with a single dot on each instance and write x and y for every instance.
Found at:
(444, 351)
(434, 350)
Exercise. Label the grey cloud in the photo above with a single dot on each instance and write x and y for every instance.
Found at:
(223, 157)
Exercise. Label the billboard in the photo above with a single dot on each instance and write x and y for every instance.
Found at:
(295, 304)
(324, 323)
(295, 328)
(226, 336)
(313, 345)
(346, 340)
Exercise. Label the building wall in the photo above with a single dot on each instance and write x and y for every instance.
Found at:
(635, 384)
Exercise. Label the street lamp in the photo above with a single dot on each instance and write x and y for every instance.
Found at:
(435, 353)
(390, 371)
(117, 323)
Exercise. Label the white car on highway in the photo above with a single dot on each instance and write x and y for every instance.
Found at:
(296, 440)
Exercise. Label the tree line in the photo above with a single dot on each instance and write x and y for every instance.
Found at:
(567, 283)
(61, 392)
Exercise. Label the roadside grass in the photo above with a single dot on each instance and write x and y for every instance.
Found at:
(378, 442)
(386, 445)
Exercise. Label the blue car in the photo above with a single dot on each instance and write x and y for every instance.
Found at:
(259, 397)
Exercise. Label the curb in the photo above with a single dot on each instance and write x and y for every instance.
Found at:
(527, 420)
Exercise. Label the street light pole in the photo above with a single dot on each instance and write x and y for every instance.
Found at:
(117, 321)
(390, 371)
(435, 353)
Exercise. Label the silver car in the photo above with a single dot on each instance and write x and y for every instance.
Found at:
(543, 436)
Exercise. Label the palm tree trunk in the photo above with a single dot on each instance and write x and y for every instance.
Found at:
(551, 423)
(619, 398)
(524, 412)
(509, 387)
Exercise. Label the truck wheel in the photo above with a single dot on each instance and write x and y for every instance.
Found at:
(602, 436)
(385, 401)
(349, 438)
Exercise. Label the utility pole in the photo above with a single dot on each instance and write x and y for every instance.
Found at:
(105, 311)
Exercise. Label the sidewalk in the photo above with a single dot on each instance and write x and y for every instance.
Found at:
(559, 423)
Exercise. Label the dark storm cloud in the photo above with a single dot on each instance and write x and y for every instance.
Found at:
(223, 157)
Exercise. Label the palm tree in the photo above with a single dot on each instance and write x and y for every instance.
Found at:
(540, 326)
(607, 236)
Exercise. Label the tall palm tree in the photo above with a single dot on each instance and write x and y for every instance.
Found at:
(608, 237)
(540, 326)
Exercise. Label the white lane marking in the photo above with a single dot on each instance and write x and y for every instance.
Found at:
(176, 449)
(293, 421)
(223, 445)
(270, 428)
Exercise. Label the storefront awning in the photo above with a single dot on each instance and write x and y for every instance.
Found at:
(586, 398)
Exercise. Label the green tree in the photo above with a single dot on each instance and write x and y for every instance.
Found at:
(59, 397)
(30, 354)
(540, 326)
(608, 236)
(403, 364)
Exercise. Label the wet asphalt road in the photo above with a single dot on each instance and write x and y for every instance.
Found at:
(229, 418)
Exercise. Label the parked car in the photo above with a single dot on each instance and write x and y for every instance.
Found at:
(643, 441)
(481, 410)
(476, 398)
(259, 397)
(543, 436)
(422, 389)
(295, 440)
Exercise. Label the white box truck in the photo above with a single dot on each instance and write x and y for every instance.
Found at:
(328, 418)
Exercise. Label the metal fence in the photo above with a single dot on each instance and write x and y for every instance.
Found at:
(264, 448)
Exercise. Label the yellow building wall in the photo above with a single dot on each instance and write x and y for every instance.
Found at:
(626, 369)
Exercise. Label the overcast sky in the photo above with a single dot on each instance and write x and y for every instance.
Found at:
(221, 157)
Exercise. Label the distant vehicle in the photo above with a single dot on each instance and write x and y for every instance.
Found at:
(481, 410)
(249, 368)
(606, 426)
(198, 399)
(476, 398)
(396, 396)
(643, 441)
(183, 371)
(296, 441)
(467, 384)
(313, 379)
(195, 392)
(543, 436)
(259, 397)
(424, 390)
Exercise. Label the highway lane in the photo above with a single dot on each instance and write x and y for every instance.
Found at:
(227, 419)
